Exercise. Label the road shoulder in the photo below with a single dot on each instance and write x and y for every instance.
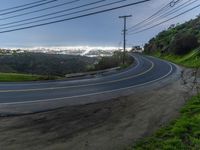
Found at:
(105, 125)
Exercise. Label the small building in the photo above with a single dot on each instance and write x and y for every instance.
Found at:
(137, 49)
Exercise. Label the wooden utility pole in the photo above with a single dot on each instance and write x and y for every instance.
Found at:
(124, 31)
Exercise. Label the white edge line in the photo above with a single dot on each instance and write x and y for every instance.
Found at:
(72, 81)
(83, 85)
(92, 94)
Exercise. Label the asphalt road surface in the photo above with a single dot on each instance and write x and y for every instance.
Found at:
(40, 96)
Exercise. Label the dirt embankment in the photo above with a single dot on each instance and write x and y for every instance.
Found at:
(114, 124)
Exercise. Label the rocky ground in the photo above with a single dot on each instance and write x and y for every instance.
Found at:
(110, 125)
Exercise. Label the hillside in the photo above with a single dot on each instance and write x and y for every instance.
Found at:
(179, 43)
(44, 64)
(28, 66)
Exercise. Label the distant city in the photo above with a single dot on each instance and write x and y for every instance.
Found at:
(80, 50)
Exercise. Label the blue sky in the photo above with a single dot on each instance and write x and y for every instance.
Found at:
(98, 30)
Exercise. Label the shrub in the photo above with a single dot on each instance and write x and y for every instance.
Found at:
(113, 61)
(183, 43)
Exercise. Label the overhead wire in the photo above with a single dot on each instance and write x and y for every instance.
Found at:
(19, 6)
(39, 10)
(50, 14)
(180, 14)
(76, 17)
(25, 8)
(164, 8)
(168, 13)
(184, 5)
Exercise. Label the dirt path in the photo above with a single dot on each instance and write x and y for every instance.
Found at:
(109, 125)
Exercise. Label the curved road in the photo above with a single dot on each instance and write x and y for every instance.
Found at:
(49, 95)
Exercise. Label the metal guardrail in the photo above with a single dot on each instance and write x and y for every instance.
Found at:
(73, 75)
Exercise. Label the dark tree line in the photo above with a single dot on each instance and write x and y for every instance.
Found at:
(113, 61)
(44, 64)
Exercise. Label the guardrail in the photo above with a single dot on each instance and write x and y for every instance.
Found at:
(73, 75)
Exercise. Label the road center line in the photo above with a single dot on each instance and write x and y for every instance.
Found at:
(76, 86)
(92, 94)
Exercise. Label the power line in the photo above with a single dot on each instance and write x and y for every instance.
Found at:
(138, 24)
(25, 8)
(165, 7)
(15, 7)
(76, 17)
(182, 6)
(39, 10)
(167, 20)
(46, 15)
(159, 18)
(173, 3)
(149, 19)
(64, 15)
(159, 11)
(178, 8)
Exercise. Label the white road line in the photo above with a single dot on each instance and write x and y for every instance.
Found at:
(84, 85)
(68, 81)
(92, 94)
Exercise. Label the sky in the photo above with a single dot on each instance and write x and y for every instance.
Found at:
(98, 30)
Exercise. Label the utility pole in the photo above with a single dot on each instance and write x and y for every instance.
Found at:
(124, 31)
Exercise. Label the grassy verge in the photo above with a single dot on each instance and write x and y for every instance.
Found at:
(191, 60)
(14, 77)
(181, 134)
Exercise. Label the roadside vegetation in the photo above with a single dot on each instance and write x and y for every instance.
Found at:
(44, 64)
(39, 66)
(116, 60)
(190, 60)
(15, 77)
(179, 44)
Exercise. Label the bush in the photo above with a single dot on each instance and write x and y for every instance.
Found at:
(183, 43)
(107, 62)
(113, 61)
(178, 40)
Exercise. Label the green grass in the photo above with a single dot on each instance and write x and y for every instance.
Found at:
(181, 134)
(14, 77)
(191, 60)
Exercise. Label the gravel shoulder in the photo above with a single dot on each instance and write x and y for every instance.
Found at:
(113, 124)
